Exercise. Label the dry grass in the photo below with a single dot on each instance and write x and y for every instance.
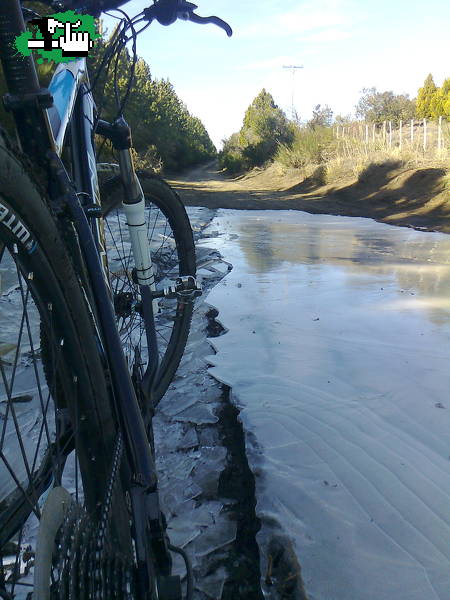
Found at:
(333, 161)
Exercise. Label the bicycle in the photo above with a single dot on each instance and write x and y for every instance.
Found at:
(77, 467)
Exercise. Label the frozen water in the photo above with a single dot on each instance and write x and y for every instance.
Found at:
(189, 440)
(223, 534)
(198, 413)
(208, 467)
(338, 355)
(189, 453)
(212, 586)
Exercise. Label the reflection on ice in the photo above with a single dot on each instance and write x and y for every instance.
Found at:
(401, 256)
(338, 351)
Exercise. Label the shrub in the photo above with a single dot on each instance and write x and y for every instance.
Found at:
(231, 157)
(233, 162)
(265, 127)
(310, 146)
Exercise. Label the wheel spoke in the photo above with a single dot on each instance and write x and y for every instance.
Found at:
(30, 452)
(166, 267)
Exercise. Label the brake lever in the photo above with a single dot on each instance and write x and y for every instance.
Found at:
(191, 16)
(167, 12)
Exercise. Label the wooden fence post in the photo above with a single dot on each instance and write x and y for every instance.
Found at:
(424, 135)
(400, 131)
(390, 134)
(367, 134)
(373, 132)
(384, 132)
(412, 131)
(440, 134)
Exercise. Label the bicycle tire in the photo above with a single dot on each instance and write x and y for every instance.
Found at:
(176, 251)
(57, 423)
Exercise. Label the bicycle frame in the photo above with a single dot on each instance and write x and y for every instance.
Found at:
(73, 106)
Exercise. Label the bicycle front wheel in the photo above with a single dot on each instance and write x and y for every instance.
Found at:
(173, 255)
(57, 429)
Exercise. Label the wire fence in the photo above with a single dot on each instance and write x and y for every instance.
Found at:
(425, 135)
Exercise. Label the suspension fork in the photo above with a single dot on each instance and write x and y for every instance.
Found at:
(133, 205)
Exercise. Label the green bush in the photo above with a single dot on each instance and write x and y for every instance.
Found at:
(231, 157)
(233, 161)
(309, 146)
(265, 127)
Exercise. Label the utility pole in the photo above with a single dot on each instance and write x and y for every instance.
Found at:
(293, 68)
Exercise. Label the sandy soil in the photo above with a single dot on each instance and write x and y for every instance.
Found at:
(390, 193)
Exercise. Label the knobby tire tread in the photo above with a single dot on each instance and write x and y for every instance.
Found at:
(24, 192)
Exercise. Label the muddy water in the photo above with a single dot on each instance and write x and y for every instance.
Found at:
(338, 354)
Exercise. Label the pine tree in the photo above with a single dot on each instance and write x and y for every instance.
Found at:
(163, 129)
(265, 127)
(440, 102)
(425, 97)
(445, 90)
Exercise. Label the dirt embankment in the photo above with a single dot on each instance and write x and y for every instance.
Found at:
(389, 192)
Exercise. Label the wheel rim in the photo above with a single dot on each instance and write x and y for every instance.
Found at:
(39, 381)
(167, 267)
(33, 451)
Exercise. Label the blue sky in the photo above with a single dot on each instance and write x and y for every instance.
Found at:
(343, 45)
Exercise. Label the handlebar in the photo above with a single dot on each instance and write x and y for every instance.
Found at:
(165, 12)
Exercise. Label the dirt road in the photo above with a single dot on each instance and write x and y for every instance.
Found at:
(418, 198)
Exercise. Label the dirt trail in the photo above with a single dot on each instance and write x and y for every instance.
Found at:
(391, 193)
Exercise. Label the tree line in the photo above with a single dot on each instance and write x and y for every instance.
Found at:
(266, 128)
(163, 129)
(165, 134)
(431, 102)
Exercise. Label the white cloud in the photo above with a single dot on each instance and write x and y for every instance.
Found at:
(307, 17)
(327, 35)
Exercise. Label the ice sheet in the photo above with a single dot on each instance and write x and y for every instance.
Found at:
(338, 354)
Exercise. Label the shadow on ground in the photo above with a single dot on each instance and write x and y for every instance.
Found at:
(387, 192)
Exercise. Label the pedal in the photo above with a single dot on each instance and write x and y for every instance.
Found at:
(186, 289)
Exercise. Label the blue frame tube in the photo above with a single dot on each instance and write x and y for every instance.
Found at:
(64, 87)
